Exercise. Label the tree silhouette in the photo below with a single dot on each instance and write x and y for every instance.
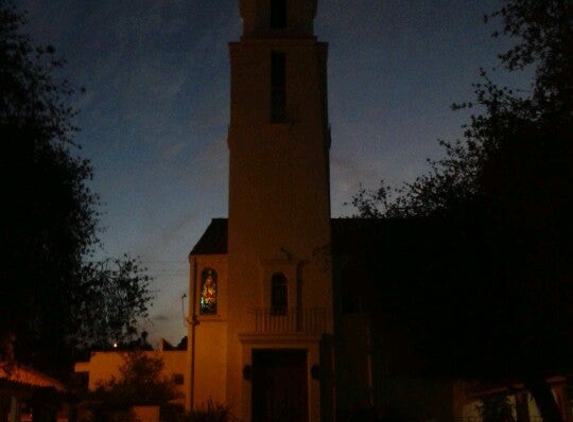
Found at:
(498, 209)
(50, 219)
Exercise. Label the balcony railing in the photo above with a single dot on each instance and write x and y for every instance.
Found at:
(289, 320)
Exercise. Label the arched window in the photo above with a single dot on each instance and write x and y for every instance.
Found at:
(208, 300)
(279, 294)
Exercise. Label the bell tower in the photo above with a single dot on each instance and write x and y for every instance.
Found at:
(279, 277)
(279, 136)
(278, 18)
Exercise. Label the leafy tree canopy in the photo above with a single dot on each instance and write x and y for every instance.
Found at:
(53, 300)
(496, 299)
(510, 125)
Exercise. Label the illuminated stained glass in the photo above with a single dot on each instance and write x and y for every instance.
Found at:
(208, 300)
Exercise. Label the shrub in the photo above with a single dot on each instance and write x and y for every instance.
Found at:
(212, 412)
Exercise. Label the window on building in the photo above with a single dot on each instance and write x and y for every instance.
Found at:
(208, 299)
(178, 379)
(278, 14)
(279, 294)
(278, 86)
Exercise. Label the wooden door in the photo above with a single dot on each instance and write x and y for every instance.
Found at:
(280, 386)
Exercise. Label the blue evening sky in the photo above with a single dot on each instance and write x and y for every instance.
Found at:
(156, 110)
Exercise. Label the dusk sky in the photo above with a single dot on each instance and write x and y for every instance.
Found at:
(156, 110)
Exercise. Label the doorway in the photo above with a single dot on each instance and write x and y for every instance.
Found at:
(280, 385)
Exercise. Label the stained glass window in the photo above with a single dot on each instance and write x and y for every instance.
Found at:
(208, 301)
(279, 294)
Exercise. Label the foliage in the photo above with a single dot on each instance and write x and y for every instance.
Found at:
(121, 290)
(503, 197)
(141, 383)
(496, 408)
(51, 221)
(511, 122)
(212, 412)
(209, 411)
(496, 301)
(48, 294)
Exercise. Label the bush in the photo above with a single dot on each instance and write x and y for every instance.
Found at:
(212, 412)
(141, 383)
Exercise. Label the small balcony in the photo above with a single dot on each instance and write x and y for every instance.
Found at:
(289, 320)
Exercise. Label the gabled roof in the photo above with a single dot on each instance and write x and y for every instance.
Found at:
(347, 233)
(214, 240)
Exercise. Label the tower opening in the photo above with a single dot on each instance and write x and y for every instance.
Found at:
(278, 14)
(278, 86)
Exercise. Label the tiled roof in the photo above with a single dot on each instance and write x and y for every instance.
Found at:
(22, 375)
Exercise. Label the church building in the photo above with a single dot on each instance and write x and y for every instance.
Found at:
(285, 319)
(280, 326)
(296, 316)
(261, 314)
